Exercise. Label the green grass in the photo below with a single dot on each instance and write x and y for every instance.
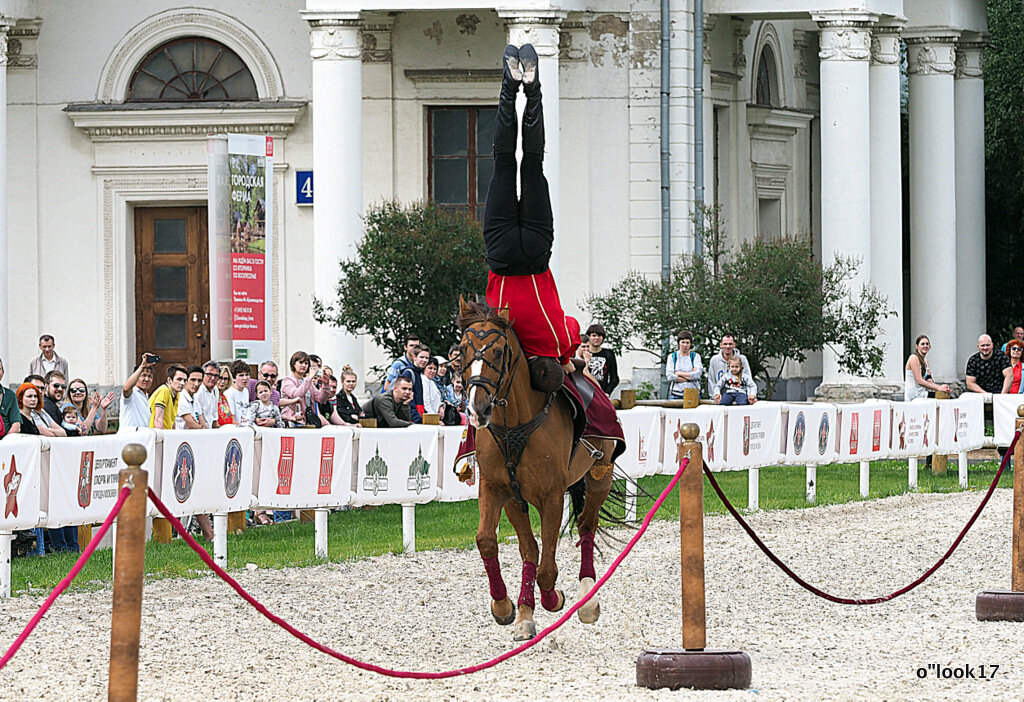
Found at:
(360, 533)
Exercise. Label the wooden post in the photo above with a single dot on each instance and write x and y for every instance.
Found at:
(236, 522)
(940, 461)
(691, 398)
(306, 516)
(691, 539)
(1017, 567)
(84, 534)
(693, 666)
(1003, 605)
(161, 530)
(129, 559)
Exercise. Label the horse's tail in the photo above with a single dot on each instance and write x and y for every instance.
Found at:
(613, 511)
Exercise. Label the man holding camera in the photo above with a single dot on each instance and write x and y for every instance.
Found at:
(135, 395)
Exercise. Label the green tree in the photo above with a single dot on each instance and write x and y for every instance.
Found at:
(1004, 168)
(407, 275)
(777, 301)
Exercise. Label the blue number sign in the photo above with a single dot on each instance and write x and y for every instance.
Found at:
(303, 187)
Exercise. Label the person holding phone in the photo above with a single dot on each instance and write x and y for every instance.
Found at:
(135, 410)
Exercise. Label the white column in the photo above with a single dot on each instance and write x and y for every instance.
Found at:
(845, 49)
(969, 120)
(541, 29)
(320, 533)
(887, 194)
(933, 249)
(220, 539)
(5, 26)
(338, 167)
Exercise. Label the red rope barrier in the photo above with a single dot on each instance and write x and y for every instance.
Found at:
(408, 673)
(873, 600)
(72, 574)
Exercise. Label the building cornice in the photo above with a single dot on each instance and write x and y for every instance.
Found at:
(129, 123)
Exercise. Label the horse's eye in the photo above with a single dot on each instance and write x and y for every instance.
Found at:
(498, 353)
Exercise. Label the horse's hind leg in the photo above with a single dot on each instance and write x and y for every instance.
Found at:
(525, 627)
(487, 544)
(596, 493)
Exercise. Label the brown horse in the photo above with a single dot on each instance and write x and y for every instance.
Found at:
(509, 413)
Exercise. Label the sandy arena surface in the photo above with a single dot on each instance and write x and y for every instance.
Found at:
(429, 612)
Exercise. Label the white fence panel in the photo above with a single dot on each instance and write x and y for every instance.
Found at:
(84, 472)
(811, 434)
(864, 431)
(304, 468)
(753, 435)
(962, 423)
(913, 428)
(1004, 415)
(451, 489)
(642, 427)
(711, 420)
(397, 466)
(207, 471)
(21, 473)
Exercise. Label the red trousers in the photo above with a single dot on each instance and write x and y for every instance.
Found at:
(536, 312)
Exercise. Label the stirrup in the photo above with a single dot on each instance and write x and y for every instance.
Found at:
(595, 453)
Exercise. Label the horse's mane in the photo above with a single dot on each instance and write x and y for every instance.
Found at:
(477, 312)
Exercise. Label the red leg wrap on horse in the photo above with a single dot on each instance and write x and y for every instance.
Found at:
(498, 592)
(529, 579)
(549, 598)
(587, 557)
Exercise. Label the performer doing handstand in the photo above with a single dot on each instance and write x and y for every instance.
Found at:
(518, 233)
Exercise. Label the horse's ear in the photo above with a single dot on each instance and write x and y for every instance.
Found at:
(503, 313)
(463, 307)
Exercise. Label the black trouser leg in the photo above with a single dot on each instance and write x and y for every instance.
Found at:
(533, 120)
(501, 216)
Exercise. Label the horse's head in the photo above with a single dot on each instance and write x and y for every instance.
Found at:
(487, 347)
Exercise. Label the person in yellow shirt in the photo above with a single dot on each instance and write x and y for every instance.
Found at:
(163, 404)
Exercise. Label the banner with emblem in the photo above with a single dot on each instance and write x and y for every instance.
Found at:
(451, 489)
(302, 468)
(961, 423)
(913, 428)
(753, 435)
(810, 434)
(864, 431)
(1004, 416)
(83, 474)
(21, 476)
(711, 421)
(642, 428)
(397, 466)
(207, 471)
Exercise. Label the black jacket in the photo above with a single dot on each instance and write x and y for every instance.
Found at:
(349, 411)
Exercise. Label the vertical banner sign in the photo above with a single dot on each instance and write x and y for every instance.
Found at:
(218, 216)
(285, 465)
(251, 177)
(326, 465)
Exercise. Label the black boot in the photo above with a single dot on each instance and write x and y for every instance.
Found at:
(506, 124)
(533, 115)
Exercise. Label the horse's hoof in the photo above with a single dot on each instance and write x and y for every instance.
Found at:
(525, 630)
(557, 605)
(504, 612)
(589, 612)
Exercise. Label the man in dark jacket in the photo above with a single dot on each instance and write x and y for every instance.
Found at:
(392, 409)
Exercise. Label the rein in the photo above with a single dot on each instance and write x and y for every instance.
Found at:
(510, 440)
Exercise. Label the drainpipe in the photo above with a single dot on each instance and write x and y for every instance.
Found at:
(698, 125)
(666, 184)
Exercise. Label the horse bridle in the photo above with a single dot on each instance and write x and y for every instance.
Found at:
(511, 440)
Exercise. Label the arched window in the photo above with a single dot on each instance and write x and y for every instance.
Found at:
(766, 91)
(191, 69)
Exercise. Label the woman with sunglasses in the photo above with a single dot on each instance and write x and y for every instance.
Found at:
(224, 413)
(918, 376)
(92, 414)
(1012, 375)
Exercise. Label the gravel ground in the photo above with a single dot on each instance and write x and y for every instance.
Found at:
(429, 612)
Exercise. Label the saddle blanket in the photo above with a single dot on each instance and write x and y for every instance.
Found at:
(597, 421)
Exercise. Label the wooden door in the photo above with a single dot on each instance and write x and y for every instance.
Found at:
(172, 286)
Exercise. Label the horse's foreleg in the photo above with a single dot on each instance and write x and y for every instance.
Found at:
(547, 572)
(487, 544)
(525, 627)
(596, 493)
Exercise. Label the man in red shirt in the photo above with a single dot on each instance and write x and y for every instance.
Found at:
(519, 231)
